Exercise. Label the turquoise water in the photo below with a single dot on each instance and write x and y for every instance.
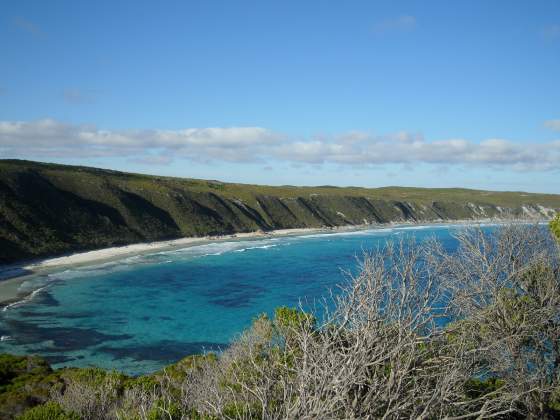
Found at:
(143, 312)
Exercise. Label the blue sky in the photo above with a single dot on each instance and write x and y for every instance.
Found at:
(418, 93)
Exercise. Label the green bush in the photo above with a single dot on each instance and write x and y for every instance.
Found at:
(15, 371)
(162, 411)
(291, 318)
(178, 370)
(94, 376)
(555, 226)
(146, 383)
(242, 411)
(475, 388)
(25, 381)
(48, 411)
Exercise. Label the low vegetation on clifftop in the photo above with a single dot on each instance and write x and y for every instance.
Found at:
(49, 209)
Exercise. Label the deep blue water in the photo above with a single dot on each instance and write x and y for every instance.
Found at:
(141, 313)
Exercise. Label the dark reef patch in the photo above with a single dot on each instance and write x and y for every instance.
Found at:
(234, 294)
(35, 314)
(62, 338)
(165, 351)
(46, 299)
(54, 359)
(233, 302)
(53, 315)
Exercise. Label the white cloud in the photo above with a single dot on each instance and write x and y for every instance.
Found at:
(55, 139)
(51, 138)
(552, 124)
(403, 23)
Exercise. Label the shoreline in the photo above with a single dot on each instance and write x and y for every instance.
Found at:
(13, 276)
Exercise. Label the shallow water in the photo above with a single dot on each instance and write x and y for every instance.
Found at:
(143, 312)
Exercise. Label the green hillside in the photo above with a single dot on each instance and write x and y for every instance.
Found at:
(49, 209)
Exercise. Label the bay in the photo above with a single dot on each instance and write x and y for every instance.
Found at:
(141, 313)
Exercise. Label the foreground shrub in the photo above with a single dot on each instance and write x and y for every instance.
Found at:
(48, 411)
(25, 381)
(91, 393)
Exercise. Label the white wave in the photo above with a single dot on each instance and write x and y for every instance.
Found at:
(24, 300)
(103, 268)
(220, 248)
(256, 247)
(361, 232)
(90, 271)
(162, 257)
(206, 249)
(5, 338)
(432, 227)
(390, 230)
(420, 227)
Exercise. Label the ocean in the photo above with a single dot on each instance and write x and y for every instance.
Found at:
(141, 313)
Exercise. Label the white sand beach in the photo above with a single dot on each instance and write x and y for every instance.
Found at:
(121, 251)
(12, 277)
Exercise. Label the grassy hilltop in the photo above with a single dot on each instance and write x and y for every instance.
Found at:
(50, 209)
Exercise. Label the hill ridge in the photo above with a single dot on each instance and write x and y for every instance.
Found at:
(49, 209)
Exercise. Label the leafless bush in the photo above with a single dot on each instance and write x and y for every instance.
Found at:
(137, 403)
(505, 289)
(90, 394)
(384, 350)
(246, 380)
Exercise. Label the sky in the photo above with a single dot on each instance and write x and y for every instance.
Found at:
(315, 92)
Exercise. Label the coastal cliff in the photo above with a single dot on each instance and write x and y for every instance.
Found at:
(49, 209)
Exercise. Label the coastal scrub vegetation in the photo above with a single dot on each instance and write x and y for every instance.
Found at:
(420, 332)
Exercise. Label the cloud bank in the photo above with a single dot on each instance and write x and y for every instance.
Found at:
(54, 139)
